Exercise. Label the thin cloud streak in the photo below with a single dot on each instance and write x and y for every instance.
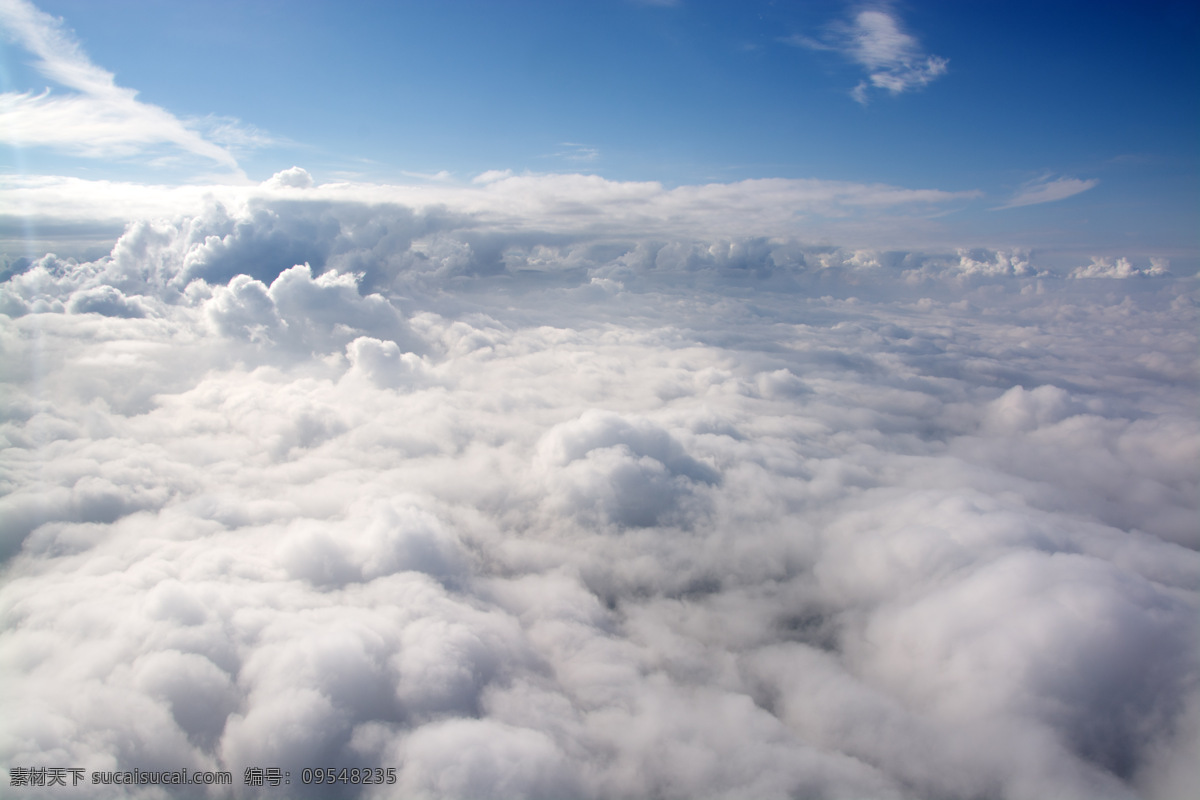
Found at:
(1046, 190)
(104, 120)
(577, 152)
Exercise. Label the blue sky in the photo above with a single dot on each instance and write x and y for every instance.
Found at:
(1090, 107)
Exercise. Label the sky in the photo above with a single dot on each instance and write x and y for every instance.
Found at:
(1073, 123)
(600, 400)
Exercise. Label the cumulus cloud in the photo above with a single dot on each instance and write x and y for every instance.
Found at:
(537, 488)
(1122, 268)
(295, 178)
(631, 472)
(99, 119)
(1047, 190)
(875, 40)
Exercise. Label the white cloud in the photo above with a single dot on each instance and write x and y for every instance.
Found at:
(577, 152)
(894, 60)
(101, 119)
(231, 133)
(294, 177)
(1047, 190)
(869, 214)
(440, 176)
(1121, 268)
(450, 480)
(492, 175)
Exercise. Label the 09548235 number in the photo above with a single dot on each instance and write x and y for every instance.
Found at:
(322, 775)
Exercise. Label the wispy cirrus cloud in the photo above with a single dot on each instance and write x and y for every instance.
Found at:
(99, 119)
(441, 176)
(894, 60)
(231, 133)
(1047, 189)
(575, 151)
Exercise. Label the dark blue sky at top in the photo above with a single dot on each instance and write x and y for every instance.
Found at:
(693, 92)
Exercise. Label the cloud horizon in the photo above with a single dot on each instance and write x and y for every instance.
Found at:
(541, 515)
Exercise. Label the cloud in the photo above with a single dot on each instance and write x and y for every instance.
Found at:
(440, 175)
(1047, 190)
(492, 175)
(100, 119)
(634, 473)
(867, 214)
(295, 178)
(231, 133)
(875, 40)
(577, 152)
(538, 487)
(1121, 268)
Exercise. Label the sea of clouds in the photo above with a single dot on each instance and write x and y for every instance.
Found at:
(551, 501)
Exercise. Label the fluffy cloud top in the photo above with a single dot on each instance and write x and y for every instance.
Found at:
(594, 508)
(1121, 268)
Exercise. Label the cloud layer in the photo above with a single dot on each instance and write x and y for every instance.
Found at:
(53, 210)
(526, 504)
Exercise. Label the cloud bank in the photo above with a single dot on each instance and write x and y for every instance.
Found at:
(522, 502)
(53, 210)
